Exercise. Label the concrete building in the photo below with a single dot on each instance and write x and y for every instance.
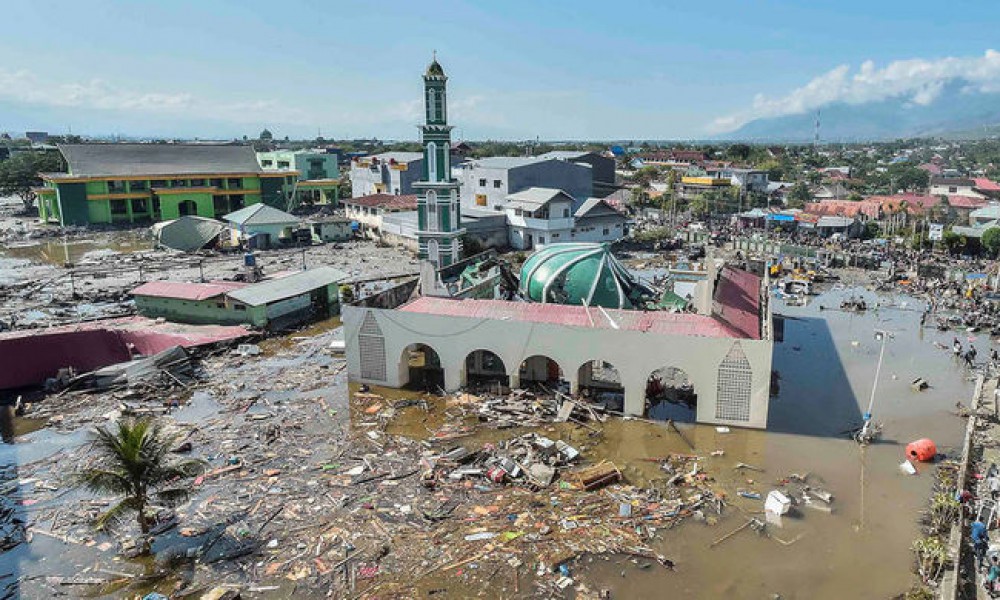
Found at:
(272, 303)
(487, 182)
(128, 183)
(723, 353)
(369, 211)
(947, 186)
(691, 187)
(391, 173)
(261, 226)
(602, 168)
(597, 221)
(318, 180)
(538, 216)
(751, 180)
(330, 229)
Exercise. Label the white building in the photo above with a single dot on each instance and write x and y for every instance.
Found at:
(487, 182)
(387, 173)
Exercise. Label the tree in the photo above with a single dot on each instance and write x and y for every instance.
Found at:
(134, 461)
(799, 195)
(344, 187)
(991, 241)
(871, 231)
(953, 242)
(19, 174)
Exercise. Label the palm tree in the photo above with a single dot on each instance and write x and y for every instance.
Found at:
(134, 461)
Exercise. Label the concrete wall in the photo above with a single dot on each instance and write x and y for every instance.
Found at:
(635, 354)
(576, 180)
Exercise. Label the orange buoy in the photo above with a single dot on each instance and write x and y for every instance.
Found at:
(923, 450)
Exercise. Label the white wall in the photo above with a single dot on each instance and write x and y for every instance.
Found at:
(635, 354)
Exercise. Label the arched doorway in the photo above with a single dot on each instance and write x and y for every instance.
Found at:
(187, 207)
(483, 367)
(601, 381)
(671, 395)
(420, 368)
(540, 369)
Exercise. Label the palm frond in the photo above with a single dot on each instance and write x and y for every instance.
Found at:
(114, 515)
(105, 481)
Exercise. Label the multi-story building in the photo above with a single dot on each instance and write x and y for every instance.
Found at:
(751, 180)
(387, 173)
(487, 182)
(602, 168)
(319, 176)
(116, 183)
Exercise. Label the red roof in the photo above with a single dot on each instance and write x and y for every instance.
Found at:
(660, 322)
(386, 201)
(737, 301)
(987, 185)
(956, 201)
(915, 203)
(931, 168)
(186, 291)
(845, 208)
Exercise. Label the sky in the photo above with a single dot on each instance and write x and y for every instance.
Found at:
(518, 69)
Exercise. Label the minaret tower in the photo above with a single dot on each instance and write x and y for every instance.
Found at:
(439, 231)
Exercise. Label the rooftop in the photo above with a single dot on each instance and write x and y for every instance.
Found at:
(290, 286)
(506, 162)
(260, 214)
(659, 322)
(158, 159)
(534, 198)
(988, 185)
(180, 290)
(386, 201)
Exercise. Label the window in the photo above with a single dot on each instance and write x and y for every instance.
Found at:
(118, 207)
(555, 235)
(220, 305)
(197, 183)
(432, 162)
(234, 183)
(158, 183)
(239, 306)
(283, 164)
(139, 205)
(496, 183)
(952, 189)
(541, 239)
(480, 199)
(606, 232)
(116, 187)
(137, 186)
(482, 183)
(565, 212)
(216, 182)
(266, 162)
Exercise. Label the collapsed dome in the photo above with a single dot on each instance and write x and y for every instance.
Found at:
(580, 274)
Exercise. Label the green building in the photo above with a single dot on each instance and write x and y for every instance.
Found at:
(319, 174)
(136, 183)
(439, 231)
(287, 300)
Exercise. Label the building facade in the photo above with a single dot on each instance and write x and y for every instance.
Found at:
(387, 173)
(134, 183)
(439, 214)
(318, 180)
(487, 182)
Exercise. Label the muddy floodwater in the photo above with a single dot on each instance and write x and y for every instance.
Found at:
(60, 252)
(826, 364)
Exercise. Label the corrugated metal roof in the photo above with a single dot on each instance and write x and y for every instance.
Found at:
(288, 287)
(158, 159)
(188, 233)
(536, 197)
(385, 201)
(506, 162)
(661, 322)
(260, 214)
(186, 291)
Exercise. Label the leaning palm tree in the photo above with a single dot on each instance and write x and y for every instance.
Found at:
(134, 460)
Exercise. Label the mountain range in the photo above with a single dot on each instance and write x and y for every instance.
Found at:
(953, 113)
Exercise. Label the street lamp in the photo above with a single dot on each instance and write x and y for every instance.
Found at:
(871, 430)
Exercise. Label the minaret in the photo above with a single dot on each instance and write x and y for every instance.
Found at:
(439, 232)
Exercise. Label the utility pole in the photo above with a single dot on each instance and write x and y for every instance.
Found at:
(868, 430)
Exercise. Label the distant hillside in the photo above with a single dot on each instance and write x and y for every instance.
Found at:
(954, 113)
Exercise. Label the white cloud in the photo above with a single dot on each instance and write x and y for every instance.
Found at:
(919, 81)
(24, 87)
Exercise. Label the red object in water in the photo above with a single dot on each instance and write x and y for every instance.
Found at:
(923, 450)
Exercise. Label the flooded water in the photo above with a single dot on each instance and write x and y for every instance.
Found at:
(827, 364)
(60, 252)
(861, 550)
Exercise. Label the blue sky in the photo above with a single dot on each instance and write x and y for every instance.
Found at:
(518, 69)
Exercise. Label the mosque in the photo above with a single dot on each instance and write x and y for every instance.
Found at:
(573, 317)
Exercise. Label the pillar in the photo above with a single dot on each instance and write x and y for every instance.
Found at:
(454, 376)
(515, 379)
(635, 398)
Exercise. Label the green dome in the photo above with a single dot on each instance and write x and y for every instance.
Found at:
(580, 274)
